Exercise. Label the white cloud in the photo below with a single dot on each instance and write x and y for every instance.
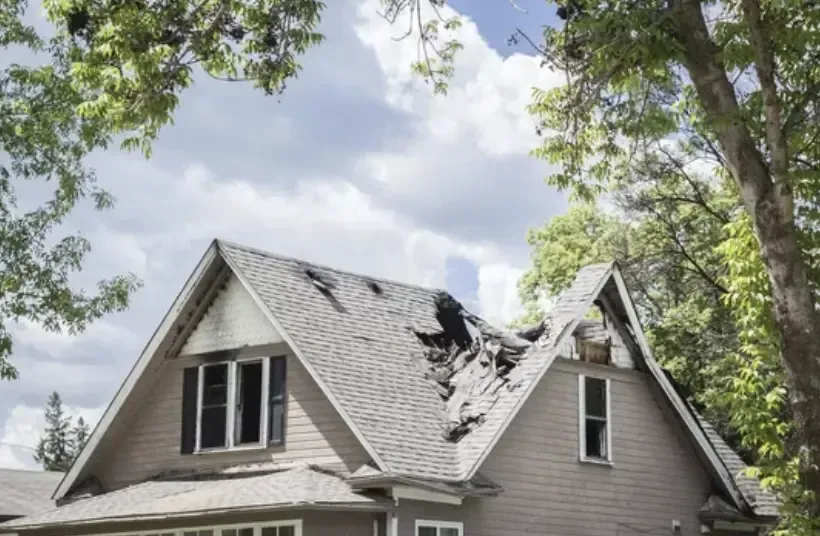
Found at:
(462, 157)
(19, 437)
(498, 293)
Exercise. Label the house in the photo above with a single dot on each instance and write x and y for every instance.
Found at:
(282, 398)
(25, 493)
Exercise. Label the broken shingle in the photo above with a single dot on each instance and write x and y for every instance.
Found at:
(469, 370)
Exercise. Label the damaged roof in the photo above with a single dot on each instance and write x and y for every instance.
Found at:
(427, 387)
(367, 347)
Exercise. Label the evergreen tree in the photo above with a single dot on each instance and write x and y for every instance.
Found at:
(79, 435)
(54, 451)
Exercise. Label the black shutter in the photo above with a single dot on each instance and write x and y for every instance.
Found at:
(276, 407)
(190, 382)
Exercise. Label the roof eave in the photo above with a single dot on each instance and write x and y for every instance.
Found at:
(376, 506)
(203, 266)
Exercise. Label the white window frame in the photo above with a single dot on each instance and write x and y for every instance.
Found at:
(230, 418)
(582, 421)
(217, 529)
(438, 525)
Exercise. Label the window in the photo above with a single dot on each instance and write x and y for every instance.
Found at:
(238, 404)
(595, 422)
(292, 527)
(438, 528)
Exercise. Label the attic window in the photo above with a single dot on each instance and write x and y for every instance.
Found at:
(234, 404)
(595, 437)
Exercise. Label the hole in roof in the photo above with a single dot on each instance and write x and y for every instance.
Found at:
(375, 287)
(317, 280)
(324, 286)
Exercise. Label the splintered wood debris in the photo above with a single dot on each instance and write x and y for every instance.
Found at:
(469, 361)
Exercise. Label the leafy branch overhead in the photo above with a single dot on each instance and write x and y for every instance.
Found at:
(135, 57)
(730, 89)
(43, 138)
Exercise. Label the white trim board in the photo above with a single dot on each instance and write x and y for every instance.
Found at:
(194, 281)
(674, 399)
(458, 525)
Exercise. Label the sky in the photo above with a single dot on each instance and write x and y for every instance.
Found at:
(358, 166)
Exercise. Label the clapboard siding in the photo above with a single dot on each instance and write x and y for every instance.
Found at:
(150, 445)
(655, 477)
(232, 320)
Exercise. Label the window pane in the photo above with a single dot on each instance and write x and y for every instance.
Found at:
(249, 403)
(596, 439)
(213, 427)
(193, 533)
(427, 531)
(448, 531)
(595, 397)
(206, 533)
(229, 532)
(246, 532)
(268, 531)
(215, 385)
(287, 530)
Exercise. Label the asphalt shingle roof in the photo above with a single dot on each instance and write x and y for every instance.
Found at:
(362, 346)
(301, 486)
(763, 503)
(24, 493)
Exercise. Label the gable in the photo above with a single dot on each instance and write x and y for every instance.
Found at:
(655, 475)
(603, 286)
(231, 321)
(215, 297)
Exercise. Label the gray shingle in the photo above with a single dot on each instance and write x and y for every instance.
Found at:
(763, 503)
(299, 486)
(24, 493)
(364, 349)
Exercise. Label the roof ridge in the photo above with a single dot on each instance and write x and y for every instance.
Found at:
(279, 256)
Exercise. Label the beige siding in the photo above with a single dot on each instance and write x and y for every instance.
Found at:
(150, 443)
(410, 511)
(654, 479)
(233, 320)
(314, 523)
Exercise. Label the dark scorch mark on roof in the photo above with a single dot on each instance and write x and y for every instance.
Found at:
(469, 361)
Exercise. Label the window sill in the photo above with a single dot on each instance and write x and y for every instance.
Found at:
(596, 461)
(224, 450)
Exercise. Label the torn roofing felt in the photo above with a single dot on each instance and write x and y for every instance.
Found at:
(468, 370)
(367, 353)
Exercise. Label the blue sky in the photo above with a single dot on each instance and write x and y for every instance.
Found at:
(358, 166)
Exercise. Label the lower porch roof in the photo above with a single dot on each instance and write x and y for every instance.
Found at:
(233, 490)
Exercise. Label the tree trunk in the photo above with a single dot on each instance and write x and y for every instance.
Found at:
(770, 205)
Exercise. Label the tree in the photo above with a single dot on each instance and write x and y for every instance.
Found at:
(114, 68)
(79, 436)
(731, 84)
(61, 443)
(42, 137)
(54, 451)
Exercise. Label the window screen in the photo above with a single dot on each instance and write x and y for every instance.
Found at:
(214, 412)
